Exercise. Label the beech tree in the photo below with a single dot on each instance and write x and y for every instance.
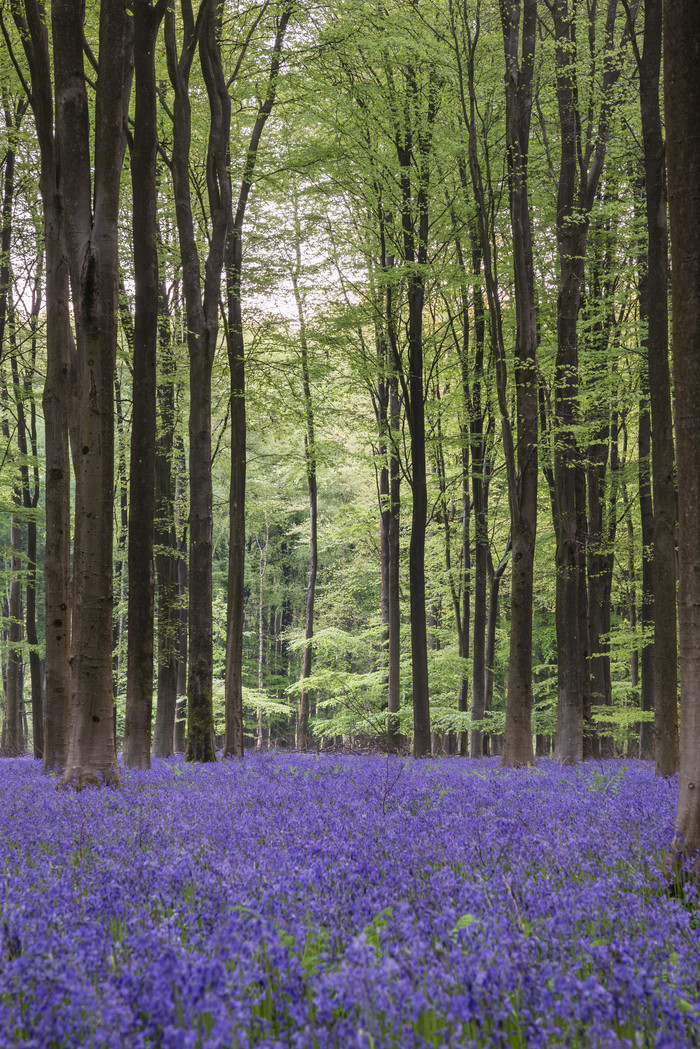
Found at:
(682, 98)
(202, 311)
(30, 20)
(139, 682)
(165, 536)
(662, 453)
(233, 737)
(13, 737)
(583, 148)
(90, 214)
(311, 462)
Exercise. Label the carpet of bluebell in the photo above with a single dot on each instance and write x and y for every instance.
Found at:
(346, 902)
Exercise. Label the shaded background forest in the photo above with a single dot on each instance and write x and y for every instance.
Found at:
(371, 271)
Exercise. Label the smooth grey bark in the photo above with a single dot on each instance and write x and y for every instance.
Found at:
(181, 502)
(139, 674)
(165, 541)
(682, 103)
(388, 414)
(583, 150)
(30, 19)
(478, 434)
(13, 741)
(310, 458)
(413, 154)
(602, 471)
(31, 491)
(522, 461)
(646, 516)
(495, 575)
(233, 686)
(202, 312)
(662, 452)
(91, 218)
(520, 453)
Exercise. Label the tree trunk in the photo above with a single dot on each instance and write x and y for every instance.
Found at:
(389, 479)
(601, 475)
(91, 217)
(662, 455)
(121, 516)
(27, 439)
(29, 500)
(233, 735)
(414, 224)
(495, 576)
(522, 480)
(682, 101)
(56, 396)
(13, 743)
(139, 676)
(202, 307)
(480, 495)
(646, 513)
(182, 573)
(580, 172)
(311, 460)
(263, 552)
(14, 737)
(396, 738)
(165, 541)
(388, 420)
(571, 245)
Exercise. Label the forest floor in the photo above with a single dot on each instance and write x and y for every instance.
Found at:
(341, 901)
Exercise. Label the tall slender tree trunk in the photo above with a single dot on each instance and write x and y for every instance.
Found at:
(662, 453)
(389, 417)
(580, 172)
(30, 20)
(414, 155)
(28, 499)
(31, 489)
(13, 744)
(202, 309)
(568, 469)
(521, 465)
(394, 552)
(139, 676)
(682, 102)
(517, 749)
(470, 427)
(646, 514)
(480, 490)
(391, 623)
(602, 470)
(233, 735)
(14, 735)
(165, 541)
(121, 518)
(310, 457)
(183, 588)
(495, 576)
(262, 566)
(91, 215)
(382, 417)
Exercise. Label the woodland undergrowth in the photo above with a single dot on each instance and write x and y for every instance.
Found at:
(345, 901)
